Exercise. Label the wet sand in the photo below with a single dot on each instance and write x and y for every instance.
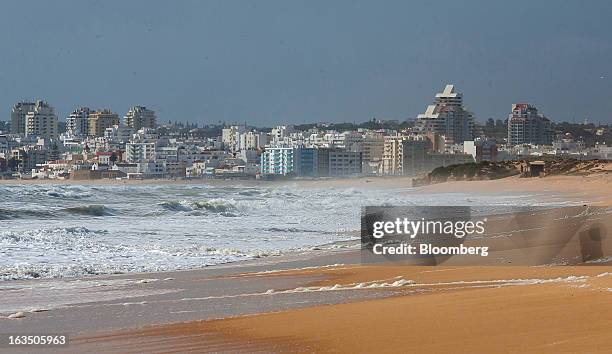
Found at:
(465, 309)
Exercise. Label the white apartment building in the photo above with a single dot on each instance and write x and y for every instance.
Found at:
(277, 161)
(41, 121)
(139, 152)
(231, 136)
(393, 153)
(139, 117)
(77, 123)
(252, 140)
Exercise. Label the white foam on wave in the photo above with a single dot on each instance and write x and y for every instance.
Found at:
(275, 271)
(52, 294)
(376, 284)
(143, 236)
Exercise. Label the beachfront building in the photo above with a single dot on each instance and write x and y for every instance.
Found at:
(527, 126)
(77, 123)
(327, 162)
(100, 120)
(447, 117)
(41, 121)
(277, 161)
(371, 145)
(393, 152)
(343, 162)
(306, 161)
(415, 156)
(139, 117)
(18, 114)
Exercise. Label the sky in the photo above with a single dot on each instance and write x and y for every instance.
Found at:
(269, 62)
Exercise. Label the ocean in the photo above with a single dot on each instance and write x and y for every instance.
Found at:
(50, 231)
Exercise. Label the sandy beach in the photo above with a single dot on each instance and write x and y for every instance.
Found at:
(468, 310)
(327, 301)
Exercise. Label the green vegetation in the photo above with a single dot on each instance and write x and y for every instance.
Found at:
(472, 170)
(372, 124)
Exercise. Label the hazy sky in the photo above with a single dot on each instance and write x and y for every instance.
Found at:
(268, 62)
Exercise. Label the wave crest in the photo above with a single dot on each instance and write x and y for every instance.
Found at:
(93, 210)
(216, 206)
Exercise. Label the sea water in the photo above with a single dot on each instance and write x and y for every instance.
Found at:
(74, 230)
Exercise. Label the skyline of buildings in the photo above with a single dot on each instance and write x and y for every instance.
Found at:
(99, 144)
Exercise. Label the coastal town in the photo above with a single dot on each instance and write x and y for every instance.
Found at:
(97, 144)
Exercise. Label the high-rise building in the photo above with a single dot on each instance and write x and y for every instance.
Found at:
(527, 126)
(230, 137)
(415, 156)
(252, 140)
(393, 152)
(77, 123)
(41, 121)
(139, 117)
(447, 117)
(343, 162)
(100, 120)
(305, 161)
(372, 146)
(277, 161)
(18, 114)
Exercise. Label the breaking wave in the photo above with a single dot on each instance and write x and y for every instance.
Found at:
(93, 210)
(67, 194)
(219, 206)
(7, 214)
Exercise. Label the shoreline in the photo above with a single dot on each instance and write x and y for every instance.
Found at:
(570, 315)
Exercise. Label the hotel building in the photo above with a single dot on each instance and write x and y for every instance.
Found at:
(139, 117)
(527, 126)
(41, 121)
(447, 117)
(77, 123)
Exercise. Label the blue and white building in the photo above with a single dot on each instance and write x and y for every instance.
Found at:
(277, 161)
